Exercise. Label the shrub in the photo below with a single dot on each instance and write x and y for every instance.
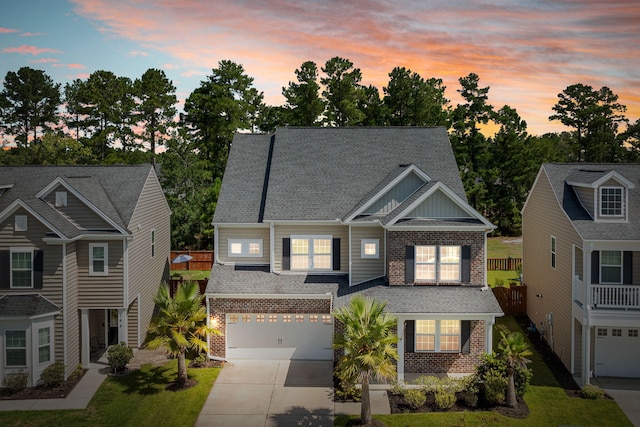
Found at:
(494, 387)
(16, 381)
(415, 398)
(78, 372)
(351, 393)
(432, 384)
(397, 387)
(591, 391)
(471, 399)
(53, 375)
(445, 399)
(493, 362)
(119, 356)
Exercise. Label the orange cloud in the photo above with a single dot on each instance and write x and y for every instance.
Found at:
(29, 50)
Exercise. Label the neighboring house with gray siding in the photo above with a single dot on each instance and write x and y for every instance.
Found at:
(83, 250)
(309, 217)
(581, 252)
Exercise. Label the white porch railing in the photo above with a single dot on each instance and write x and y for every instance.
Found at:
(615, 296)
(578, 289)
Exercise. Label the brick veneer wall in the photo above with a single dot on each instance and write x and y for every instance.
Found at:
(397, 241)
(219, 307)
(439, 363)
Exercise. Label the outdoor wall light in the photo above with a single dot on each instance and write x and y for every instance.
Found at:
(539, 295)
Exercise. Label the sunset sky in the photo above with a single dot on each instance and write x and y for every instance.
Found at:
(526, 51)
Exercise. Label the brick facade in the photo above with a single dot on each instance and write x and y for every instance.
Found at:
(219, 307)
(397, 241)
(439, 363)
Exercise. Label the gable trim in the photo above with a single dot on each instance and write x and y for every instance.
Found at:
(19, 203)
(610, 175)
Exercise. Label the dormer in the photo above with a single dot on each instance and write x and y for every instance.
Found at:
(603, 193)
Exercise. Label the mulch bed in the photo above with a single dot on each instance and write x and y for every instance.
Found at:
(59, 392)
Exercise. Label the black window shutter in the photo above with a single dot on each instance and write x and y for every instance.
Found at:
(286, 253)
(409, 264)
(38, 268)
(5, 269)
(409, 336)
(627, 267)
(465, 330)
(595, 267)
(466, 264)
(336, 253)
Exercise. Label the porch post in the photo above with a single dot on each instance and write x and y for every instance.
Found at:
(85, 354)
(586, 353)
(400, 349)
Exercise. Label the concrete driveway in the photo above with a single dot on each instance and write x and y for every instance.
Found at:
(271, 393)
(626, 393)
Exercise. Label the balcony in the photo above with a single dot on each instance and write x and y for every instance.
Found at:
(625, 297)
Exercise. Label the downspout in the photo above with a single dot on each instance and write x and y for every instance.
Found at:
(64, 312)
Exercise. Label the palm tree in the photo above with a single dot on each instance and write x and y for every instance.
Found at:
(180, 325)
(514, 350)
(368, 340)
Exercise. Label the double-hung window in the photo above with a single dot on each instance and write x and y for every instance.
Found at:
(611, 267)
(245, 247)
(21, 267)
(311, 252)
(553, 252)
(611, 201)
(98, 259)
(438, 335)
(438, 263)
(16, 348)
(153, 243)
(44, 345)
(370, 248)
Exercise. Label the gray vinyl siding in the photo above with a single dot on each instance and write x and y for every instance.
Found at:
(146, 273)
(224, 234)
(132, 324)
(586, 198)
(78, 212)
(542, 218)
(363, 269)
(71, 310)
(577, 348)
(396, 195)
(336, 231)
(101, 291)
(438, 205)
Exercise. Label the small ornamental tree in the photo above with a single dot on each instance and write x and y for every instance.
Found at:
(514, 350)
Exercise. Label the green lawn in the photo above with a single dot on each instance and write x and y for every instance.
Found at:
(138, 399)
(493, 276)
(504, 247)
(190, 274)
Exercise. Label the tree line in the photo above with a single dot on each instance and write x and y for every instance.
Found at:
(106, 119)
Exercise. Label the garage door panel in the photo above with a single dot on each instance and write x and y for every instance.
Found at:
(617, 351)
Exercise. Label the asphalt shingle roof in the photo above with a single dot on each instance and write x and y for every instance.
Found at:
(26, 306)
(559, 173)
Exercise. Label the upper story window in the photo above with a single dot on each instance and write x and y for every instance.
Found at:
(245, 247)
(16, 348)
(311, 252)
(438, 263)
(21, 223)
(553, 252)
(98, 259)
(611, 201)
(21, 268)
(61, 198)
(153, 243)
(370, 248)
(438, 335)
(611, 267)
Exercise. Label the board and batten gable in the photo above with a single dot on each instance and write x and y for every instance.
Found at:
(101, 291)
(243, 233)
(337, 231)
(76, 211)
(363, 269)
(542, 218)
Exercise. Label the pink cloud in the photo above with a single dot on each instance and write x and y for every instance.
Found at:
(29, 50)
(7, 30)
(45, 61)
(31, 34)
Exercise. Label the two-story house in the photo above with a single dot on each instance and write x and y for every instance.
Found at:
(309, 217)
(83, 250)
(581, 249)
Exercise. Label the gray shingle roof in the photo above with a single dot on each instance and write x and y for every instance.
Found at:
(113, 189)
(324, 173)
(26, 306)
(559, 173)
(233, 280)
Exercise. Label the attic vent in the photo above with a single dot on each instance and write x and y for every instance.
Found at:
(591, 170)
(404, 165)
(78, 176)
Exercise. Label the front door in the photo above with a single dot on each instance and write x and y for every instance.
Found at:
(112, 326)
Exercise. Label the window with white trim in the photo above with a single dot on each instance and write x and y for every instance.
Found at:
(611, 201)
(98, 259)
(61, 198)
(370, 248)
(21, 268)
(438, 263)
(611, 267)
(15, 348)
(438, 335)
(44, 345)
(553, 252)
(311, 252)
(21, 223)
(245, 247)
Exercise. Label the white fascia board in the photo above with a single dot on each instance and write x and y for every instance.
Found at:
(412, 168)
(269, 296)
(447, 316)
(240, 225)
(19, 203)
(611, 175)
(613, 245)
(305, 222)
(439, 228)
(454, 197)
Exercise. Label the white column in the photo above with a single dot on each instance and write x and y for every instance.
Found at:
(85, 356)
(122, 326)
(401, 349)
(586, 353)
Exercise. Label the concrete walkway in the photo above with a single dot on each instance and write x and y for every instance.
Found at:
(83, 392)
(270, 393)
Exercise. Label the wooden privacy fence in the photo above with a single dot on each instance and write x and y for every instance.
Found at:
(512, 300)
(174, 283)
(504, 264)
(202, 260)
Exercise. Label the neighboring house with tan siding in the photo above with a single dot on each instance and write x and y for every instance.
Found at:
(83, 250)
(309, 217)
(581, 252)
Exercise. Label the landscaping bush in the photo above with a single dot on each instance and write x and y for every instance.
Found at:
(494, 387)
(119, 356)
(492, 362)
(444, 399)
(77, 373)
(397, 387)
(16, 382)
(471, 399)
(415, 398)
(53, 375)
(431, 384)
(591, 391)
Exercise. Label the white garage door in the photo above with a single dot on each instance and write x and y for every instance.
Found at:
(279, 336)
(617, 352)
